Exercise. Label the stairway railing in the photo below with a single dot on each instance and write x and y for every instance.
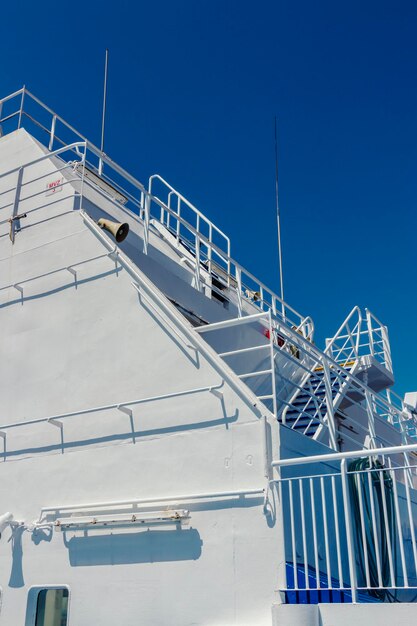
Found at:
(359, 336)
(208, 244)
(299, 367)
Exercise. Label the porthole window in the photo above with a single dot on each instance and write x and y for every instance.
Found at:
(51, 607)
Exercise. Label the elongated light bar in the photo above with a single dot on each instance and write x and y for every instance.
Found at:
(178, 516)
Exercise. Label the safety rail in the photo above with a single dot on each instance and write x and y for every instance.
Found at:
(125, 407)
(22, 190)
(208, 245)
(350, 523)
(279, 365)
(359, 336)
(179, 207)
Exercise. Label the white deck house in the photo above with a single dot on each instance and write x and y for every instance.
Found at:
(176, 449)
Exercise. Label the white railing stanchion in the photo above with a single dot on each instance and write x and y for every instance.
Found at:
(386, 348)
(282, 570)
(197, 263)
(370, 332)
(370, 409)
(146, 223)
(239, 290)
(52, 135)
(19, 123)
(329, 405)
(349, 530)
(271, 352)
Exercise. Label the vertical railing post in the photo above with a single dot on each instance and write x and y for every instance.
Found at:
(22, 101)
(239, 290)
(168, 222)
(349, 531)
(146, 223)
(386, 348)
(280, 529)
(271, 351)
(370, 331)
(370, 410)
(52, 134)
(178, 217)
(197, 259)
(329, 405)
(83, 176)
(142, 205)
(228, 262)
(210, 250)
(16, 202)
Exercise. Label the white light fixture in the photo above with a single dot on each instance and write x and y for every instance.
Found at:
(179, 516)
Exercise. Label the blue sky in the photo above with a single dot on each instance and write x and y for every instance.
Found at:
(193, 90)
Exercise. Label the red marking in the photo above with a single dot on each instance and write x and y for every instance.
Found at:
(52, 186)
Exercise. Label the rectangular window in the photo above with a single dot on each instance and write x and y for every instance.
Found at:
(52, 607)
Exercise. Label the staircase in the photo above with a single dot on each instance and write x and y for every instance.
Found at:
(359, 348)
(308, 410)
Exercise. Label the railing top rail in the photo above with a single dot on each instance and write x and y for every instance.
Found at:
(374, 317)
(187, 202)
(46, 156)
(91, 147)
(339, 456)
(311, 350)
(337, 335)
(13, 95)
(136, 183)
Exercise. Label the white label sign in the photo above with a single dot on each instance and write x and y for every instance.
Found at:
(54, 186)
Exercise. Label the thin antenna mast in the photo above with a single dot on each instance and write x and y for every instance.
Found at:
(278, 222)
(103, 118)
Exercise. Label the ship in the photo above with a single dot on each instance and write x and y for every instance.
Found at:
(175, 447)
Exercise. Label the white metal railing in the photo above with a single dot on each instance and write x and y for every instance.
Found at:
(209, 246)
(124, 406)
(350, 522)
(177, 207)
(360, 336)
(22, 187)
(302, 386)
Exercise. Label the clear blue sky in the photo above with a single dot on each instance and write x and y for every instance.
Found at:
(193, 89)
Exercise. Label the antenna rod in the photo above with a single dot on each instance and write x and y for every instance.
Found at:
(103, 119)
(278, 222)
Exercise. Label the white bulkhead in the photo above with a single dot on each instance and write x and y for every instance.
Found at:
(79, 331)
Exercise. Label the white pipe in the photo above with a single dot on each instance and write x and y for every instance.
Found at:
(353, 454)
(115, 405)
(183, 497)
(237, 321)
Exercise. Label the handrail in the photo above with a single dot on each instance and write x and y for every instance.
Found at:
(355, 309)
(347, 342)
(155, 499)
(351, 454)
(334, 386)
(140, 204)
(376, 543)
(188, 203)
(114, 405)
(168, 310)
(44, 158)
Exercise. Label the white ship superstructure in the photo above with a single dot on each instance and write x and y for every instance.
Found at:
(176, 448)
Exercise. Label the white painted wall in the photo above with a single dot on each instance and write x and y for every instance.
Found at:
(68, 347)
